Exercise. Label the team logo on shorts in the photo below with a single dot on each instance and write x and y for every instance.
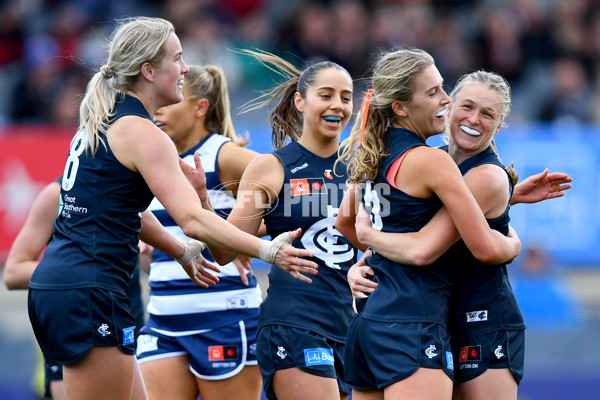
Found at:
(318, 356)
(281, 353)
(220, 353)
(470, 353)
(430, 351)
(498, 352)
(128, 336)
(104, 330)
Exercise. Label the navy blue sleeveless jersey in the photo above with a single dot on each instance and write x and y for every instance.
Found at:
(405, 293)
(483, 300)
(96, 234)
(310, 199)
(134, 292)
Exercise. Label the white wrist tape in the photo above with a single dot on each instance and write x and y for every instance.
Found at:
(191, 250)
(268, 249)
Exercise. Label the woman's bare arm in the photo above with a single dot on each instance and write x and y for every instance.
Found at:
(32, 239)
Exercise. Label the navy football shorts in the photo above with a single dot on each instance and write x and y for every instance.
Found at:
(282, 347)
(497, 350)
(214, 354)
(69, 323)
(379, 354)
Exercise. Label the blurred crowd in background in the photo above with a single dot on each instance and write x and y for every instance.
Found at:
(545, 48)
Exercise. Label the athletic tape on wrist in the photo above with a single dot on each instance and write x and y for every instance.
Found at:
(191, 250)
(268, 250)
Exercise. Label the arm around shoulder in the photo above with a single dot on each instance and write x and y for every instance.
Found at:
(486, 245)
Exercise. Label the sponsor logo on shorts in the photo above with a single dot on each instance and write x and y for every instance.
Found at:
(128, 336)
(104, 330)
(318, 356)
(498, 352)
(430, 351)
(477, 316)
(281, 352)
(216, 365)
(146, 343)
(219, 353)
(449, 361)
(252, 349)
(470, 353)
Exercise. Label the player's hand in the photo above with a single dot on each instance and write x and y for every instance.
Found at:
(513, 234)
(359, 279)
(280, 252)
(362, 224)
(195, 265)
(243, 265)
(197, 271)
(542, 186)
(196, 176)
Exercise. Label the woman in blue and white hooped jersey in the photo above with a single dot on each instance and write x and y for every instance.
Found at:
(202, 340)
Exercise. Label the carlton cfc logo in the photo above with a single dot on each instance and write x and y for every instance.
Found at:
(326, 243)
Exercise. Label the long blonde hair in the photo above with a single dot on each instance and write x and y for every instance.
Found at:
(498, 84)
(285, 119)
(208, 82)
(393, 79)
(133, 42)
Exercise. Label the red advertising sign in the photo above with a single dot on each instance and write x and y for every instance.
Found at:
(30, 158)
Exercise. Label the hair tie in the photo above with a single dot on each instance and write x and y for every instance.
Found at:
(364, 109)
(107, 71)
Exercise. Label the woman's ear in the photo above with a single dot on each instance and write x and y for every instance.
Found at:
(399, 109)
(498, 129)
(147, 71)
(299, 102)
(201, 108)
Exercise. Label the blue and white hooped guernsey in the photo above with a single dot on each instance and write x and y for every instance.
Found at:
(179, 307)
